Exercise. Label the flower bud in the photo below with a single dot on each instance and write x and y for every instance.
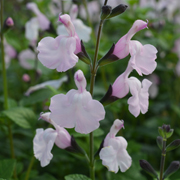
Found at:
(174, 166)
(8, 23)
(26, 78)
(165, 131)
(106, 11)
(118, 10)
(148, 168)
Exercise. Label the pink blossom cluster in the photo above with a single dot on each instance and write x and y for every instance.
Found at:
(77, 109)
(143, 61)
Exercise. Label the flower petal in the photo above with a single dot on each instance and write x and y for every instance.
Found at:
(42, 145)
(143, 57)
(57, 53)
(76, 110)
(108, 155)
(63, 139)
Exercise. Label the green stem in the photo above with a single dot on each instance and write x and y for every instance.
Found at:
(163, 156)
(5, 87)
(93, 75)
(105, 2)
(5, 91)
(29, 168)
(62, 6)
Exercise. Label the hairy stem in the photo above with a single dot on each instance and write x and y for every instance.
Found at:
(163, 156)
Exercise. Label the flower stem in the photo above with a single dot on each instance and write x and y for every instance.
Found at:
(29, 168)
(3, 62)
(62, 6)
(5, 88)
(93, 75)
(163, 156)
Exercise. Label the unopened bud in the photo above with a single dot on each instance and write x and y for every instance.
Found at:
(165, 131)
(9, 22)
(26, 78)
(106, 11)
(174, 166)
(148, 168)
(118, 10)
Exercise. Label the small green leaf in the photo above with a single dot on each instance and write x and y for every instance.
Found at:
(159, 141)
(173, 145)
(23, 117)
(76, 177)
(7, 167)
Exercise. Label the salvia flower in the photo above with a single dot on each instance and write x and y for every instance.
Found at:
(82, 30)
(114, 154)
(44, 140)
(60, 53)
(121, 49)
(139, 101)
(44, 23)
(77, 108)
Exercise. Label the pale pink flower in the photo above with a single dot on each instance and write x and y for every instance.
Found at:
(44, 23)
(60, 53)
(120, 87)
(81, 29)
(10, 53)
(77, 108)
(142, 57)
(139, 101)
(114, 154)
(121, 49)
(44, 140)
(26, 57)
(32, 29)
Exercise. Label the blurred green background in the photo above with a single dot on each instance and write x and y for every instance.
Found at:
(141, 132)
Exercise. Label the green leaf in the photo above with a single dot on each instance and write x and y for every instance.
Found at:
(44, 177)
(159, 141)
(173, 145)
(23, 117)
(76, 177)
(37, 96)
(7, 167)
